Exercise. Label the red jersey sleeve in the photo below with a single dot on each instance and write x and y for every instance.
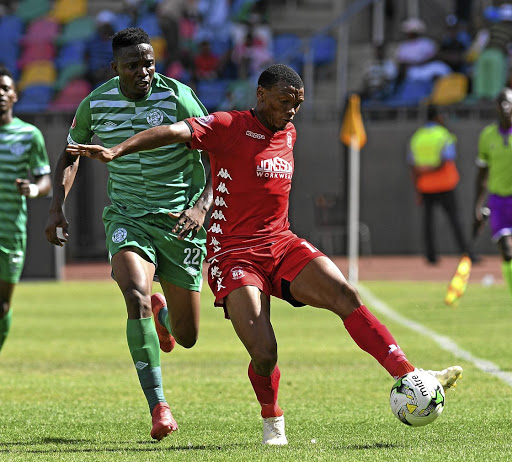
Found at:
(213, 133)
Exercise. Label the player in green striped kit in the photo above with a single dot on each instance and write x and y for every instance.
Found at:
(158, 205)
(22, 150)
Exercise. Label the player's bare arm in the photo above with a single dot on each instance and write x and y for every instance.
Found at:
(65, 172)
(144, 141)
(191, 220)
(41, 186)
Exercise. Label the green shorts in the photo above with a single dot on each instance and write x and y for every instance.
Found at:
(177, 261)
(12, 259)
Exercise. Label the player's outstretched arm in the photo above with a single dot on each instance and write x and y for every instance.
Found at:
(144, 141)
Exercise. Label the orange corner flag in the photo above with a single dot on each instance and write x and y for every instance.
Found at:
(352, 125)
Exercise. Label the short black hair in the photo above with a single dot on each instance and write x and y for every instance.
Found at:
(280, 72)
(129, 37)
(5, 71)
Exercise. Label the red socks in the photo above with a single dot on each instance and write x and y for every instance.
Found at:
(266, 389)
(373, 337)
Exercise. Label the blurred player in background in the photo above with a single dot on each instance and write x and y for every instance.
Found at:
(495, 177)
(431, 157)
(22, 151)
(252, 252)
(158, 200)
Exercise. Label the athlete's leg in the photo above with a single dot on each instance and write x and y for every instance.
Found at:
(134, 276)
(249, 311)
(6, 291)
(505, 246)
(321, 284)
(428, 227)
(183, 307)
(449, 205)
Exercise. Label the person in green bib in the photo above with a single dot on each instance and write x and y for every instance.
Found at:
(431, 158)
(159, 200)
(494, 180)
(22, 152)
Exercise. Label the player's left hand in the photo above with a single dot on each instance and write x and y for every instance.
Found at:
(23, 186)
(190, 222)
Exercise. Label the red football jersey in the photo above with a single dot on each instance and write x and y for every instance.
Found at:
(252, 169)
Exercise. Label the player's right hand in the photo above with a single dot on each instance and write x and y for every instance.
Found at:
(94, 151)
(56, 220)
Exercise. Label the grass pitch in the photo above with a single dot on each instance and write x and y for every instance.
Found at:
(68, 390)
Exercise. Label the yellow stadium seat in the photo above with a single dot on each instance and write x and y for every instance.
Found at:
(159, 47)
(37, 72)
(65, 11)
(449, 89)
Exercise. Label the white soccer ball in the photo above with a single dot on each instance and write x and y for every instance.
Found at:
(417, 398)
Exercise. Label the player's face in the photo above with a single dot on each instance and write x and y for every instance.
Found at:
(135, 66)
(8, 94)
(277, 106)
(505, 108)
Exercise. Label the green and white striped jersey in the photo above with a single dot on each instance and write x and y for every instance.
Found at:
(22, 150)
(169, 178)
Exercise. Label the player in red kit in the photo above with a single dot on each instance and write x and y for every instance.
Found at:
(252, 252)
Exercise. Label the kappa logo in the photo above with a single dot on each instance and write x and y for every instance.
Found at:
(218, 215)
(237, 273)
(222, 188)
(289, 140)
(223, 173)
(215, 272)
(155, 117)
(205, 120)
(215, 228)
(220, 202)
(275, 168)
(257, 136)
(119, 235)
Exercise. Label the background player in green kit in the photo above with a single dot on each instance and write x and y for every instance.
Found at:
(22, 150)
(157, 202)
(495, 177)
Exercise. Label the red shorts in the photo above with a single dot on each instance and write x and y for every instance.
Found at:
(270, 267)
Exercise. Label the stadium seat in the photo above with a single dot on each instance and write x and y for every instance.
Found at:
(28, 10)
(71, 95)
(41, 30)
(38, 72)
(410, 93)
(149, 22)
(287, 49)
(323, 48)
(212, 92)
(78, 29)
(11, 28)
(42, 51)
(70, 72)
(449, 89)
(71, 53)
(65, 11)
(34, 98)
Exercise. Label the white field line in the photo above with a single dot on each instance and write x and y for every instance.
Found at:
(445, 343)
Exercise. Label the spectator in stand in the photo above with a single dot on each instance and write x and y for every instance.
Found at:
(379, 77)
(454, 44)
(251, 56)
(169, 13)
(491, 67)
(99, 49)
(415, 55)
(206, 64)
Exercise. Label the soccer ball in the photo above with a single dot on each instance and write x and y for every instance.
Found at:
(417, 398)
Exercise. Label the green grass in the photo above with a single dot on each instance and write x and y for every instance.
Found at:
(68, 391)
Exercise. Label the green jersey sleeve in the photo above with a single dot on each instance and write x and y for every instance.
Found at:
(38, 161)
(81, 128)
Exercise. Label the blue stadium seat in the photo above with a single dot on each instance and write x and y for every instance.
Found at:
(71, 53)
(287, 49)
(11, 28)
(323, 48)
(410, 93)
(34, 98)
(212, 93)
